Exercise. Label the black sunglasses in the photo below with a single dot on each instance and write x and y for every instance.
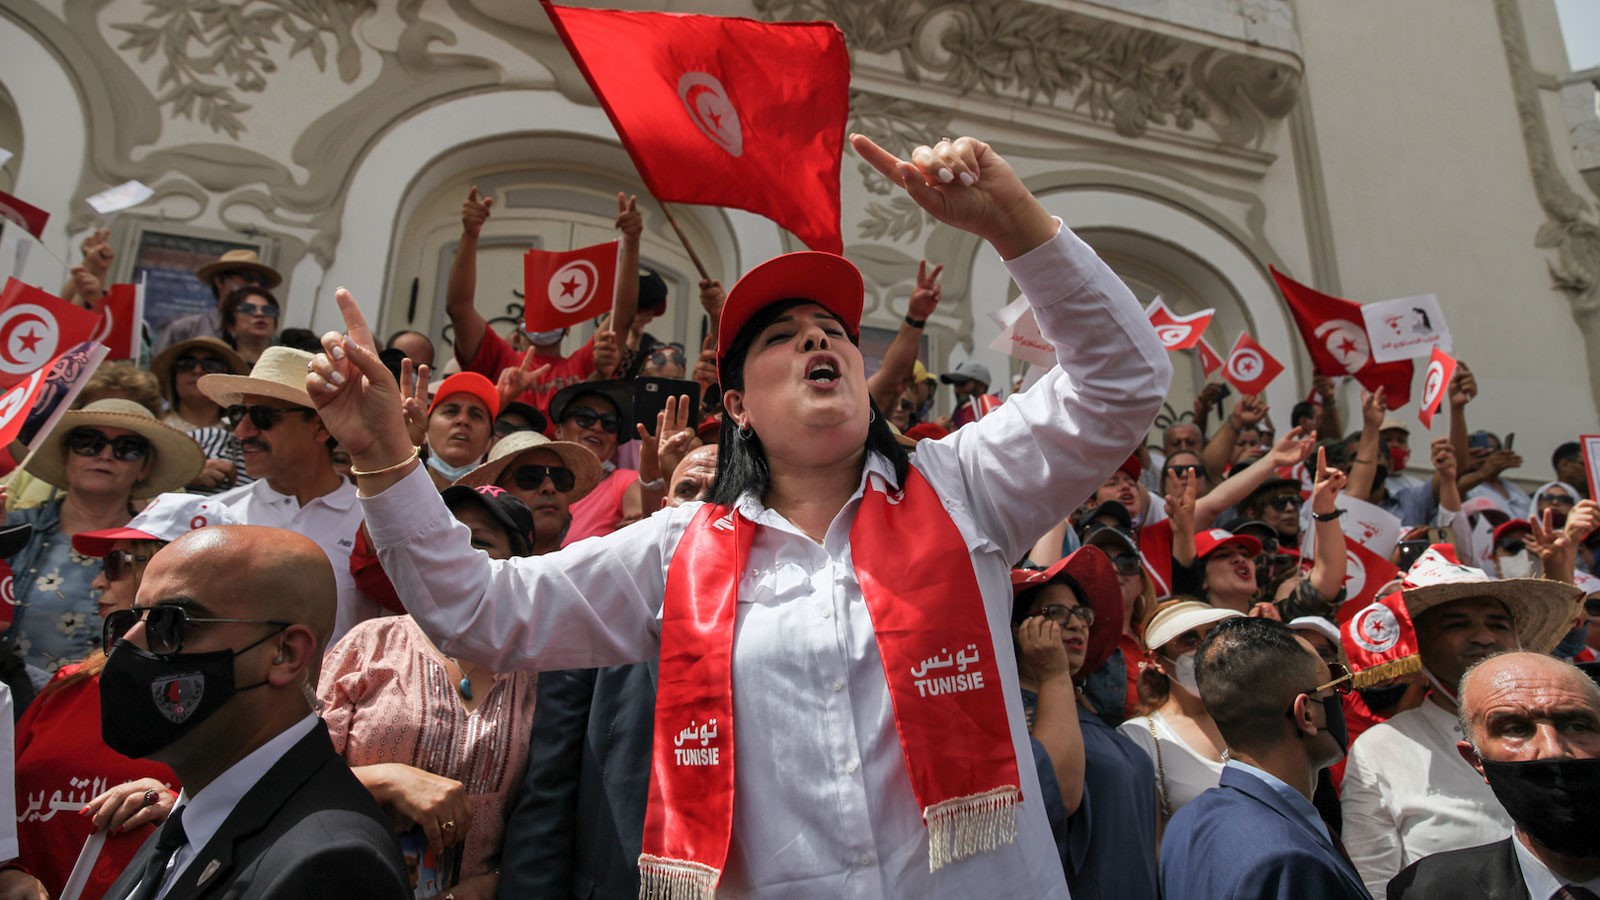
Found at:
(207, 364)
(1341, 681)
(586, 418)
(257, 309)
(1059, 614)
(1125, 564)
(1189, 469)
(165, 627)
(1556, 500)
(125, 447)
(1511, 545)
(118, 564)
(1286, 502)
(663, 357)
(530, 477)
(262, 417)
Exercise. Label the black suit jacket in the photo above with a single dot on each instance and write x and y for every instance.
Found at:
(579, 820)
(308, 828)
(1490, 872)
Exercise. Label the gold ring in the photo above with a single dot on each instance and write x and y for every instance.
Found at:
(150, 797)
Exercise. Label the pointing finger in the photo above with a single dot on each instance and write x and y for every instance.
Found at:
(887, 164)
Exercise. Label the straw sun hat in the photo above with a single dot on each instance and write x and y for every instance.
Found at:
(280, 373)
(177, 457)
(576, 457)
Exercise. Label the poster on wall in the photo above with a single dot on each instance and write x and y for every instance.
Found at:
(167, 257)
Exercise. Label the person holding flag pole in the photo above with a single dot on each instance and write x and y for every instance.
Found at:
(838, 709)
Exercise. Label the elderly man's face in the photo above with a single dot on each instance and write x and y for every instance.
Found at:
(692, 479)
(1455, 635)
(1525, 707)
(549, 506)
(294, 445)
(1182, 438)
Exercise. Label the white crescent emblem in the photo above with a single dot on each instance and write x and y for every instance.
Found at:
(28, 338)
(711, 111)
(108, 324)
(15, 401)
(1375, 629)
(1246, 364)
(1347, 341)
(8, 589)
(1432, 384)
(1355, 575)
(572, 285)
(1171, 335)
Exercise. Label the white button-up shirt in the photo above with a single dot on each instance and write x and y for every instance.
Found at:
(330, 520)
(823, 805)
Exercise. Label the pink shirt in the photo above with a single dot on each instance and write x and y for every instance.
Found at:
(600, 512)
(388, 698)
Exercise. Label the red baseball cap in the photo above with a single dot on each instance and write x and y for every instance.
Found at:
(1213, 539)
(826, 279)
(1132, 467)
(1096, 580)
(468, 383)
(1512, 527)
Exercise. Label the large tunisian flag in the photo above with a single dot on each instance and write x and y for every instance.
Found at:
(724, 111)
(1336, 337)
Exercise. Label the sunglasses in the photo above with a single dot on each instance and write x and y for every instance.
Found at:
(118, 564)
(1064, 614)
(1512, 546)
(248, 276)
(663, 357)
(90, 441)
(586, 418)
(1286, 503)
(1125, 564)
(530, 477)
(165, 627)
(258, 309)
(207, 364)
(1556, 500)
(1190, 469)
(1341, 682)
(262, 417)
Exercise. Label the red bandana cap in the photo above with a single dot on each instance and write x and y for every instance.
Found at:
(826, 279)
(472, 384)
(1096, 580)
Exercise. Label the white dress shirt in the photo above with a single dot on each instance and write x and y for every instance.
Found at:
(204, 813)
(823, 805)
(331, 520)
(1542, 883)
(1407, 793)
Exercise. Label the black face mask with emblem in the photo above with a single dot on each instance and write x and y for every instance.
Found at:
(147, 701)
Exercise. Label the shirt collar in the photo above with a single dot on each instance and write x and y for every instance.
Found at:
(1296, 800)
(1540, 881)
(340, 498)
(751, 507)
(204, 813)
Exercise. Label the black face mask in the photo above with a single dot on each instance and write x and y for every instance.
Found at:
(147, 701)
(1379, 699)
(1333, 708)
(1553, 800)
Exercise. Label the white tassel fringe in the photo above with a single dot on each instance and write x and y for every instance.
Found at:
(967, 826)
(676, 879)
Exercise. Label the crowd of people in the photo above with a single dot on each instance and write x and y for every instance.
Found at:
(292, 618)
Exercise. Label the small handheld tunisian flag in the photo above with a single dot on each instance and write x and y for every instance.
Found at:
(1174, 331)
(1336, 337)
(1210, 360)
(724, 111)
(27, 216)
(562, 289)
(1381, 642)
(1250, 368)
(32, 406)
(34, 327)
(1365, 574)
(121, 315)
(1435, 385)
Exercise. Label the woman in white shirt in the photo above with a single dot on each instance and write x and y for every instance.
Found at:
(1178, 733)
(862, 691)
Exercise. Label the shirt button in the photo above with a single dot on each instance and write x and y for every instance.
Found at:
(827, 613)
(851, 767)
(838, 686)
(866, 859)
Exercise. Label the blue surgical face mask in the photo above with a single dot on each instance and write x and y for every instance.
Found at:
(544, 338)
(453, 473)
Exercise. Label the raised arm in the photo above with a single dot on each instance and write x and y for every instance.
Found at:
(1218, 452)
(1364, 468)
(1329, 567)
(1292, 449)
(898, 360)
(460, 293)
(625, 297)
(1027, 464)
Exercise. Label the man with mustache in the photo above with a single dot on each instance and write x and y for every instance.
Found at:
(290, 455)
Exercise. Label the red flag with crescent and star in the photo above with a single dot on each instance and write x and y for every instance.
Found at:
(35, 327)
(28, 217)
(1174, 331)
(563, 289)
(1249, 366)
(121, 313)
(1435, 385)
(1210, 359)
(1336, 337)
(724, 111)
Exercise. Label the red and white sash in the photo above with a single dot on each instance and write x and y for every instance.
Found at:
(933, 636)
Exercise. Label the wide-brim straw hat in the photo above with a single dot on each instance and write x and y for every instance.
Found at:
(239, 259)
(580, 459)
(1542, 610)
(178, 458)
(161, 366)
(280, 373)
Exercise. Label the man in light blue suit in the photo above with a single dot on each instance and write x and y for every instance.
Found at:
(1256, 835)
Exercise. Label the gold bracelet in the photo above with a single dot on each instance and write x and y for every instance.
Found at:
(415, 452)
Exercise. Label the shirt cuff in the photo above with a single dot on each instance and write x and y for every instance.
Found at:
(403, 511)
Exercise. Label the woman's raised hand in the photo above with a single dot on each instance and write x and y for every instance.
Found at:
(965, 184)
(357, 398)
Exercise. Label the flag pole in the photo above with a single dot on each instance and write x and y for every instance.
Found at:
(684, 239)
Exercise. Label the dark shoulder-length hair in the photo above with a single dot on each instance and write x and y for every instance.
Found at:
(742, 461)
(230, 304)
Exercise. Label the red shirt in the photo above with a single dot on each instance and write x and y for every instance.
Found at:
(62, 764)
(495, 355)
(600, 512)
